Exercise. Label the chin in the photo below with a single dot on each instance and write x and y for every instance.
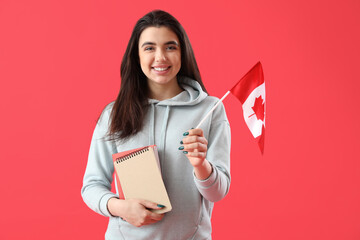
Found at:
(162, 81)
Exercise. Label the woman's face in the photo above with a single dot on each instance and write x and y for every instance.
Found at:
(160, 55)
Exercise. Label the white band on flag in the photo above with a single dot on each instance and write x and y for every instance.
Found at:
(254, 124)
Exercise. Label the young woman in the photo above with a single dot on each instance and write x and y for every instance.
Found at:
(161, 99)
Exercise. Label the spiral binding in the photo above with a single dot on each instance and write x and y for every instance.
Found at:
(131, 155)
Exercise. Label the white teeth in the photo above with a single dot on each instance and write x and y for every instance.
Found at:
(160, 69)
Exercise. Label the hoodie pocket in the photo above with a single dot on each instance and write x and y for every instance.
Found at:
(113, 230)
(199, 220)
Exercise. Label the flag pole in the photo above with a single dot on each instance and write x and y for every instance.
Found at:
(217, 104)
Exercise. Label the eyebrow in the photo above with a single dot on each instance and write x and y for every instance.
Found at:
(167, 43)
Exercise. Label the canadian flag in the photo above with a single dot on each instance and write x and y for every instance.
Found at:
(250, 90)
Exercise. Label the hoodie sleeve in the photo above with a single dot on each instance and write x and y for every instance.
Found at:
(217, 185)
(96, 189)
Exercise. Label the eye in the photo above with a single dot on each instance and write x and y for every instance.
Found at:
(172, 47)
(149, 49)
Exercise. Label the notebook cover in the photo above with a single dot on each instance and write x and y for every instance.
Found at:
(138, 175)
(118, 155)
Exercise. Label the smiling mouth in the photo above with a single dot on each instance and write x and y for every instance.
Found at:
(161, 69)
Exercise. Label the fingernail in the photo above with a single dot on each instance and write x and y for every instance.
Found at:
(185, 152)
(160, 205)
(181, 148)
(181, 142)
(186, 133)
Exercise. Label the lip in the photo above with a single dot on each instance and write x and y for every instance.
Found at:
(161, 66)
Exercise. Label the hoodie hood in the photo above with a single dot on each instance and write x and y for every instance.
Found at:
(192, 94)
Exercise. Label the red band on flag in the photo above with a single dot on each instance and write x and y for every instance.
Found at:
(251, 80)
(261, 140)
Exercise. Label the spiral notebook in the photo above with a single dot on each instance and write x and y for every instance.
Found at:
(138, 175)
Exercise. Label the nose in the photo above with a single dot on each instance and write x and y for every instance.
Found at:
(160, 55)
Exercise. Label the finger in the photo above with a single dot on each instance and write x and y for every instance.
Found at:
(150, 221)
(148, 218)
(195, 146)
(151, 205)
(196, 154)
(196, 131)
(193, 139)
(155, 216)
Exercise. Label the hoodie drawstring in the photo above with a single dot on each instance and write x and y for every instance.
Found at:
(163, 133)
(152, 125)
(162, 142)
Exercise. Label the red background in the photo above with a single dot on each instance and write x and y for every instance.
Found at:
(59, 66)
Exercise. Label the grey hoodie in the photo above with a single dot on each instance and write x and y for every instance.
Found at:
(192, 199)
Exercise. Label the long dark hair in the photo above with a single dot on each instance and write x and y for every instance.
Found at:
(130, 107)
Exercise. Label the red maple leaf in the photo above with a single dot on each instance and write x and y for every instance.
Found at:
(259, 108)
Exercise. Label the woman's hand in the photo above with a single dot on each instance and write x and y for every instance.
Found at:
(134, 211)
(194, 145)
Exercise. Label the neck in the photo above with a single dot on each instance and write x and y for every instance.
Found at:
(163, 91)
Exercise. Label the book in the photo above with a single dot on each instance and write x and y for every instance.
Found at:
(138, 175)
